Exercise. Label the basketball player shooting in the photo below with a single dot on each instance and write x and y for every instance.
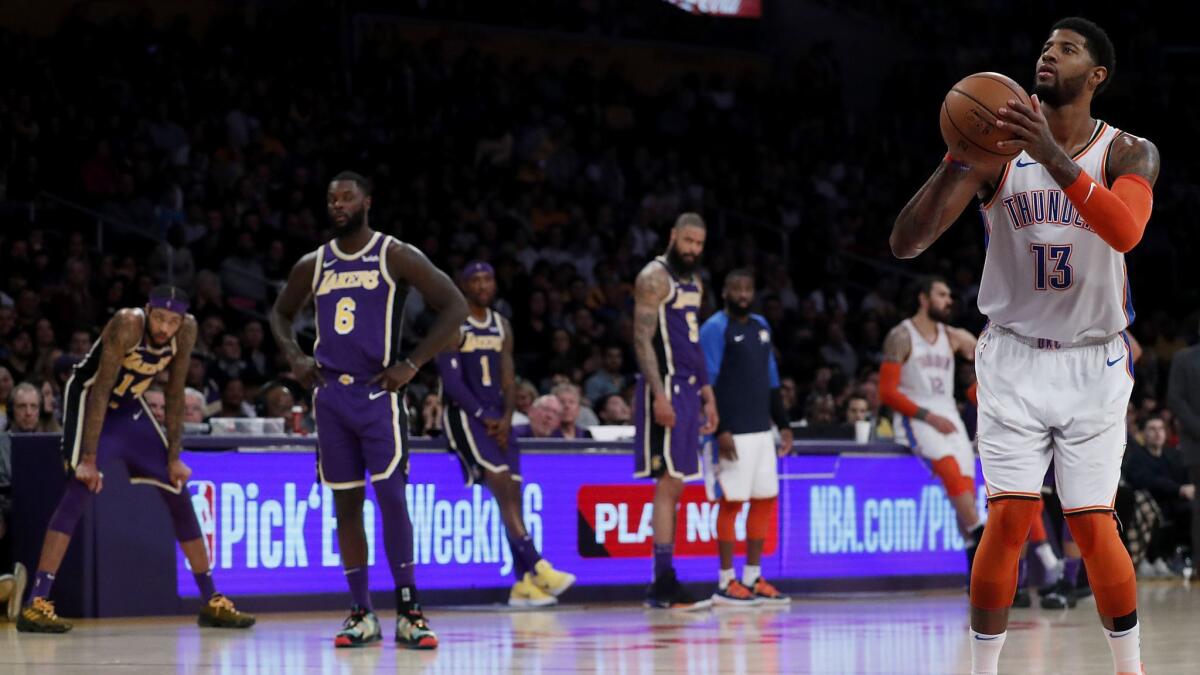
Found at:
(104, 413)
(917, 382)
(479, 382)
(1054, 366)
(674, 404)
(358, 282)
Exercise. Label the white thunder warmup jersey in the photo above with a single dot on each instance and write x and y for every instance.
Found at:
(1046, 273)
(927, 377)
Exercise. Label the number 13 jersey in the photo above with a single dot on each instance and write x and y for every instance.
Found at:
(1046, 273)
(359, 309)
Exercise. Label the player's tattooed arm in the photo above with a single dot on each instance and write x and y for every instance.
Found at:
(935, 207)
(897, 345)
(176, 382)
(651, 288)
(121, 334)
(1132, 155)
(296, 293)
(962, 342)
(410, 264)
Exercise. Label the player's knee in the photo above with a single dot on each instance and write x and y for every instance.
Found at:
(348, 503)
(1090, 530)
(183, 516)
(727, 519)
(668, 486)
(951, 475)
(75, 499)
(1009, 520)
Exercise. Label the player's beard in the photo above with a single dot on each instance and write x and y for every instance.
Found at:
(942, 315)
(737, 310)
(677, 263)
(354, 221)
(1062, 91)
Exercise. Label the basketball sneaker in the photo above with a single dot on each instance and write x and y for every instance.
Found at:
(526, 593)
(413, 631)
(1022, 599)
(735, 595)
(359, 629)
(220, 613)
(667, 593)
(550, 580)
(763, 590)
(39, 617)
(1058, 595)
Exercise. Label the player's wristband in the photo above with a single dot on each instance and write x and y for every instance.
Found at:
(922, 413)
(956, 164)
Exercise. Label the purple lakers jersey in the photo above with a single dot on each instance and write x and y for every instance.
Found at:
(677, 341)
(138, 369)
(358, 309)
(479, 355)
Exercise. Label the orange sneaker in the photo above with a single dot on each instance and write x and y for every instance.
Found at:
(735, 595)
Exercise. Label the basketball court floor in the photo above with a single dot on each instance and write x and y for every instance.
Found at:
(882, 633)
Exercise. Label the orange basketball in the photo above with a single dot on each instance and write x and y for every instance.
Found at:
(969, 117)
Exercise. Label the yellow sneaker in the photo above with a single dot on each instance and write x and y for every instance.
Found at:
(551, 580)
(526, 593)
(39, 617)
(220, 613)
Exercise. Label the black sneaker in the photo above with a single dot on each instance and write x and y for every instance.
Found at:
(1022, 599)
(359, 629)
(667, 593)
(1058, 595)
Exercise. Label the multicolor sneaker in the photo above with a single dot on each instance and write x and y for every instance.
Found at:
(770, 595)
(359, 629)
(39, 617)
(220, 613)
(735, 595)
(527, 593)
(667, 593)
(550, 580)
(413, 631)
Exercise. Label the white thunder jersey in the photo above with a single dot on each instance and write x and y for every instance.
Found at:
(927, 377)
(1046, 274)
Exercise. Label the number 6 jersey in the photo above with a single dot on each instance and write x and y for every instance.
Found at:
(1046, 274)
(359, 309)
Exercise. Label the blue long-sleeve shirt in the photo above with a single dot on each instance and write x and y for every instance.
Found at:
(742, 369)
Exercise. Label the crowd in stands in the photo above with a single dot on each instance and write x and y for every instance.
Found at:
(206, 153)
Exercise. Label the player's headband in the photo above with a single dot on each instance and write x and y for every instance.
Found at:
(177, 305)
(476, 267)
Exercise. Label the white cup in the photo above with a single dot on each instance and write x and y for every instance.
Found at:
(862, 431)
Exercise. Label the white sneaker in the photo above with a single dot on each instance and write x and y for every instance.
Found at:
(20, 580)
(1163, 570)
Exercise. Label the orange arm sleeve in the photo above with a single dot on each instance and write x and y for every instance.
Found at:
(889, 390)
(973, 393)
(1118, 215)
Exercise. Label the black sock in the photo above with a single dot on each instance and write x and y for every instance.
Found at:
(406, 600)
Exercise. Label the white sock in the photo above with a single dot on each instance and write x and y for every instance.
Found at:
(1046, 554)
(985, 653)
(1126, 649)
(750, 574)
(726, 577)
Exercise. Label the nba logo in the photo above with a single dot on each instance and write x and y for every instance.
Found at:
(204, 501)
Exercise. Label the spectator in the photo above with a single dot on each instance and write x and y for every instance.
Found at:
(156, 400)
(526, 394)
(609, 379)
(1160, 471)
(258, 365)
(6, 388)
(857, 409)
(229, 363)
(172, 261)
(570, 425)
(614, 410)
(277, 402)
(242, 275)
(1183, 397)
(20, 361)
(27, 411)
(193, 406)
(838, 352)
(233, 400)
(545, 419)
(81, 343)
(431, 416)
(791, 402)
(12, 574)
